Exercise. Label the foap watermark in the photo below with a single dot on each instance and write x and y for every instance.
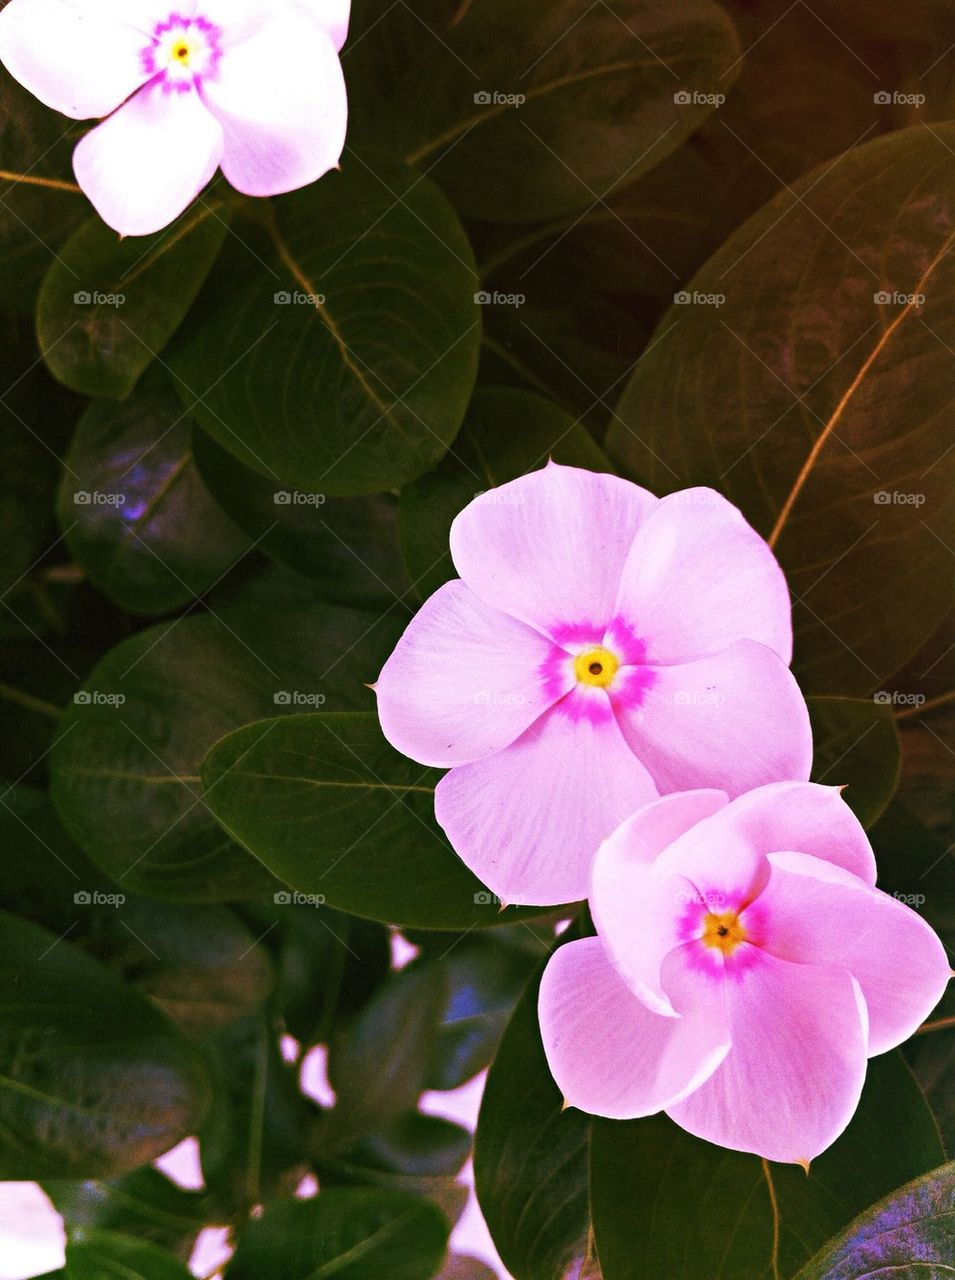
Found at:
(292, 898)
(496, 299)
(915, 900)
(94, 698)
(93, 898)
(894, 498)
(295, 698)
(292, 498)
(686, 299)
(710, 899)
(93, 298)
(895, 299)
(505, 496)
(485, 898)
(699, 698)
(296, 298)
(86, 498)
(693, 98)
(485, 698)
(898, 99)
(494, 98)
(896, 698)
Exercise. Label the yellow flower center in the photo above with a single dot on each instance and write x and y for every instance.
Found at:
(723, 931)
(597, 667)
(181, 53)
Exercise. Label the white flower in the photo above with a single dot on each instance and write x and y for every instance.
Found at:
(187, 86)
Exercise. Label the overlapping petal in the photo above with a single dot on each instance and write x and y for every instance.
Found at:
(528, 819)
(608, 1053)
(817, 913)
(280, 99)
(794, 1074)
(464, 681)
(698, 577)
(733, 721)
(79, 58)
(148, 161)
(550, 547)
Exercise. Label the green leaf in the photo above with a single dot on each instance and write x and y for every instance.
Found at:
(331, 808)
(349, 1233)
(506, 434)
(484, 981)
(108, 306)
(134, 508)
(378, 1067)
(856, 746)
(533, 110)
(904, 1236)
(183, 686)
(344, 365)
(35, 218)
(348, 546)
(94, 1079)
(667, 1204)
(102, 1255)
(531, 1158)
(255, 1139)
(144, 1203)
(825, 423)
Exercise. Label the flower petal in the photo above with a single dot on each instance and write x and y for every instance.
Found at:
(145, 164)
(792, 1079)
(609, 1054)
(625, 887)
(699, 577)
(280, 98)
(464, 681)
(734, 721)
(803, 816)
(79, 59)
(333, 15)
(550, 546)
(528, 820)
(819, 914)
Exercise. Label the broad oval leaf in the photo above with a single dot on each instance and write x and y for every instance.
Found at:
(506, 433)
(353, 1234)
(332, 809)
(817, 398)
(667, 1205)
(910, 1235)
(95, 1080)
(856, 746)
(144, 1203)
(532, 110)
(97, 1254)
(347, 546)
(108, 306)
(135, 737)
(134, 509)
(345, 363)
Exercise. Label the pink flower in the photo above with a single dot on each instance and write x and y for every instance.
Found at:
(187, 86)
(744, 970)
(601, 645)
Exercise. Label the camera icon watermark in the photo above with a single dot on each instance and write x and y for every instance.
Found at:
(484, 898)
(692, 98)
(893, 498)
(296, 298)
(496, 299)
(895, 698)
(93, 298)
(292, 498)
(292, 898)
(895, 299)
(896, 99)
(93, 898)
(93, 698)
(686, 299)
(492, 98)
(284, 698)
(85, 498)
